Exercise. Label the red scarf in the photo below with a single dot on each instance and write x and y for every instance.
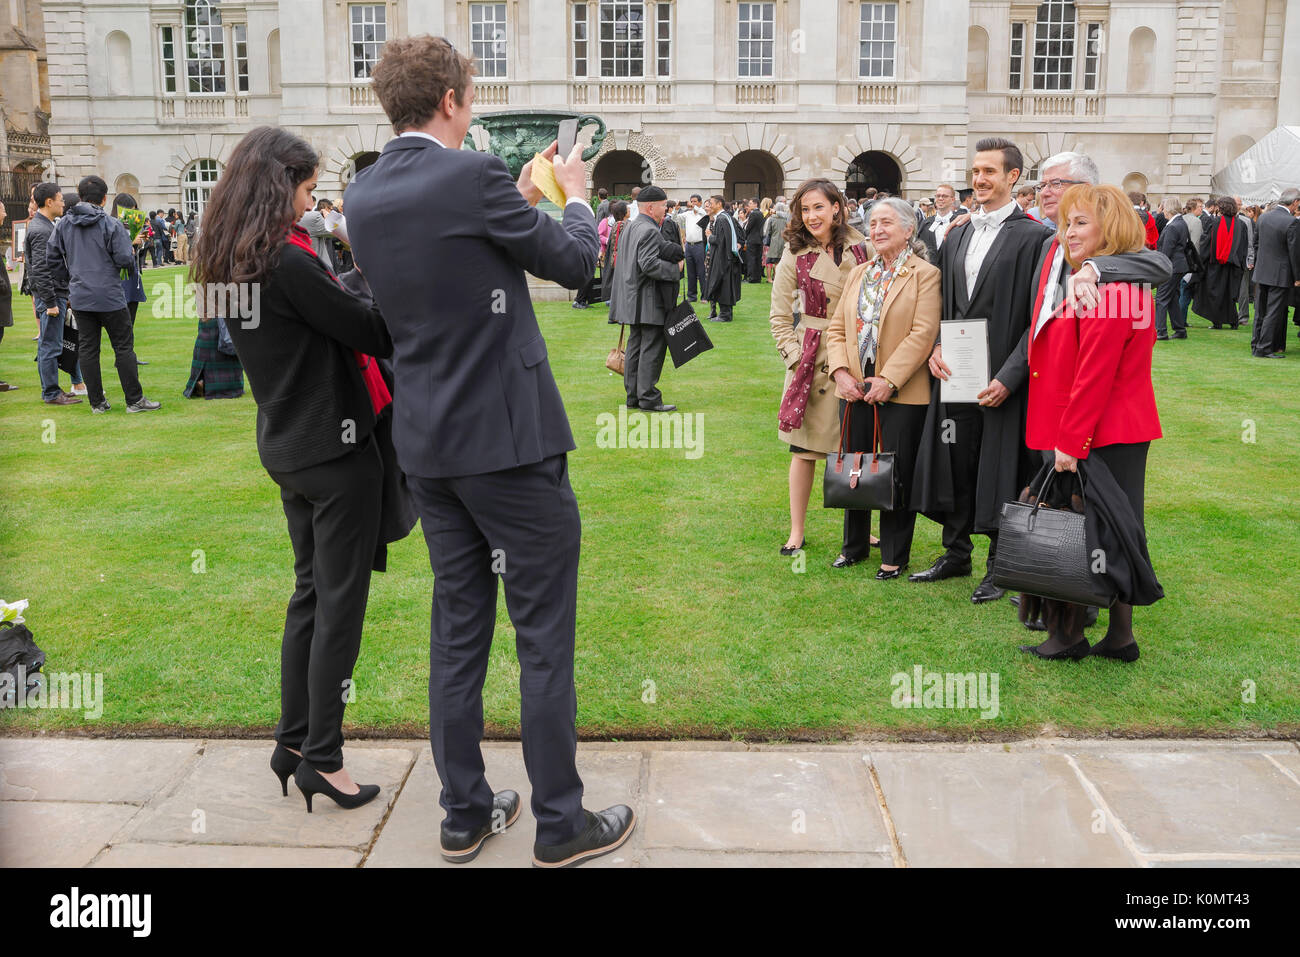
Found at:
(376, 387)
(1223, 239)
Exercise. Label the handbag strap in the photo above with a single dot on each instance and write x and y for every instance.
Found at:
(875, 437)
(621, 329)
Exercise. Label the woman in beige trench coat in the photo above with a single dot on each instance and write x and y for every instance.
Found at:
(821, 250)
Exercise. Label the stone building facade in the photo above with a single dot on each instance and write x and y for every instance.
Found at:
(24, 105)
(699, 95)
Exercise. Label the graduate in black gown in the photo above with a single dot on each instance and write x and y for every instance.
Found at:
(1223, 252)
(722, 267)
(973, 457)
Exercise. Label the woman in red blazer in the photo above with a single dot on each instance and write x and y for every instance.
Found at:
(1090, 388)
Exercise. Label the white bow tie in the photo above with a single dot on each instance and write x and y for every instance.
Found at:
(982, 220)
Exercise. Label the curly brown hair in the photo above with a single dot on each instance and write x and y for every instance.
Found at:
(413, 76)
(797, 236)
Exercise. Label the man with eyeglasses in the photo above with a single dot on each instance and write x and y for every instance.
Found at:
(946, 215)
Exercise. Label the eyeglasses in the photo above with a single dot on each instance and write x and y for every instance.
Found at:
(1056, 185)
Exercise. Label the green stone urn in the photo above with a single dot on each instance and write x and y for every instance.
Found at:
(516, 136)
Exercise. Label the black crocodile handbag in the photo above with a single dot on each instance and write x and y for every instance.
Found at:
(1044, 551)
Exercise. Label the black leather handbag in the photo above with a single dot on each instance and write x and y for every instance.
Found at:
(1044, 551)
(866, 480)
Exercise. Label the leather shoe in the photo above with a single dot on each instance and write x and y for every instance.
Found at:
(1127, 652)
(603, 833)
(787, 550)
(461, 846)
(1075, 652)
(986, 592)
(884, 576)
(842, 562)
(63, 398)
(659, 408)
(944, 567)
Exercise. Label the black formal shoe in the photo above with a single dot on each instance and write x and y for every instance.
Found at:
(461, 847)
(310, 782)
(1179, 335)
(1277, 355)
(716, 319)
(842, 562)
(141, 362)
(1015, 601)
(1127, 652)
(7, 387)
(604, 832)
(1036, 625)
(787, 550)
(659, 408)
(284, 762)
(944, 567)
(884, 576)
(579, 305)
(1075, 652)
(986, 591)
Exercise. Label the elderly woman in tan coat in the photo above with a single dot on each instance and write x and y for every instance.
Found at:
(878, 341)
(820, 252)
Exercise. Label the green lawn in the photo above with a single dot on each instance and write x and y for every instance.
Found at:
(681, 584)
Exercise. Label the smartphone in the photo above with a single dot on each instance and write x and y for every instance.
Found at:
(566, 137)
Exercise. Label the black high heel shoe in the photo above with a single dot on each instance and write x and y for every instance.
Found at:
(787, 550)
(284, 762)
(310, 782)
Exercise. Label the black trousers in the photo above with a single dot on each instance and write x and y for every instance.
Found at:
(333, 513)
(122, 337)
(900, 433)
(1168, 311)
(694, 270)
(643, 362)
(522, 523)
(754, 262)
(964, 457)
(1269, 333)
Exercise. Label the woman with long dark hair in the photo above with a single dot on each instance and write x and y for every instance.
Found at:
(1224, 248)
(306, 345)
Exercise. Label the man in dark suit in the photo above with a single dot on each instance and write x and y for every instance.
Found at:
(1277, 267)
(1176, 245)
(753, 240)
(973, 456)
(935, 228)
(6, 303)
(482, 436)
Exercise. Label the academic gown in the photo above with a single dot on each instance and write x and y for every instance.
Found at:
(1216, 293)
(1002, 297)
(721, 268)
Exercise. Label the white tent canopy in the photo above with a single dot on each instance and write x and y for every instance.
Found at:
(1261, 173)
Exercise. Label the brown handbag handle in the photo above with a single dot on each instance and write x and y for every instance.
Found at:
(621, 329)
(875, 438)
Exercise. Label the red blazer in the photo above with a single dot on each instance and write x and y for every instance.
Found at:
(1090, 375)
(1149, 224)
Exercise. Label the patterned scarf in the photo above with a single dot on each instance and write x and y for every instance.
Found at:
(871, 300)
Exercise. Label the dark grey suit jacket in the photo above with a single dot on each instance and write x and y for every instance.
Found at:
(1277, 256)
(444, 238)
(1144, 266)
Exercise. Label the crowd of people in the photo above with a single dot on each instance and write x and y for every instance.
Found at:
(410, 379)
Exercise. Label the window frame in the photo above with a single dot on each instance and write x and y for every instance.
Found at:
(214, 10)
(745, 56)
(1016, 59)
(663, 45)
(580, 16)
(502, 59)
(353, 43)
(1057, 66)
(1092, 49)
(201, 184)
(167, 63)
(891, 43)
(630, 57)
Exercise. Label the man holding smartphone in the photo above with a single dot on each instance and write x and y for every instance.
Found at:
(482, 436)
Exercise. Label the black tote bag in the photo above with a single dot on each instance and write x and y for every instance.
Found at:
(686, 335)
(866, 480)
(1044, 551)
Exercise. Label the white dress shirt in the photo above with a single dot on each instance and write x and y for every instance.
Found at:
(941, 225)
(694, 233)
(982, 240)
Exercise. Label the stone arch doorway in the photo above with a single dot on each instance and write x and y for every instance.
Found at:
(618, 171)
(356, 164)
(872, 169)
(753, 173)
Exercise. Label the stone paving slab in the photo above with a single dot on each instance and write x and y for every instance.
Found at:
(56, 833)
(72, 769)
(232, 797)
(817, 802)
(1180, 802)
(979, 810)
(411, 836)
(676, 857)
(224, 855)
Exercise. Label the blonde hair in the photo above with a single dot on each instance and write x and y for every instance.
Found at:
(1121, 229)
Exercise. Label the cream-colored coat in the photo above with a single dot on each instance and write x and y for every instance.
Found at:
(909, 325)
(820, 431)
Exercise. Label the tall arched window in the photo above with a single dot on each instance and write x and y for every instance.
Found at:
(205, 47)
(1141, 54)
(119, 64)
(1054, 32)
(977, 59)
(197, 182)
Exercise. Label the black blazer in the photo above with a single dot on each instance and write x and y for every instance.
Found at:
(312, 404)
(474, 392)
(1176, 243)
(1277, 251)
